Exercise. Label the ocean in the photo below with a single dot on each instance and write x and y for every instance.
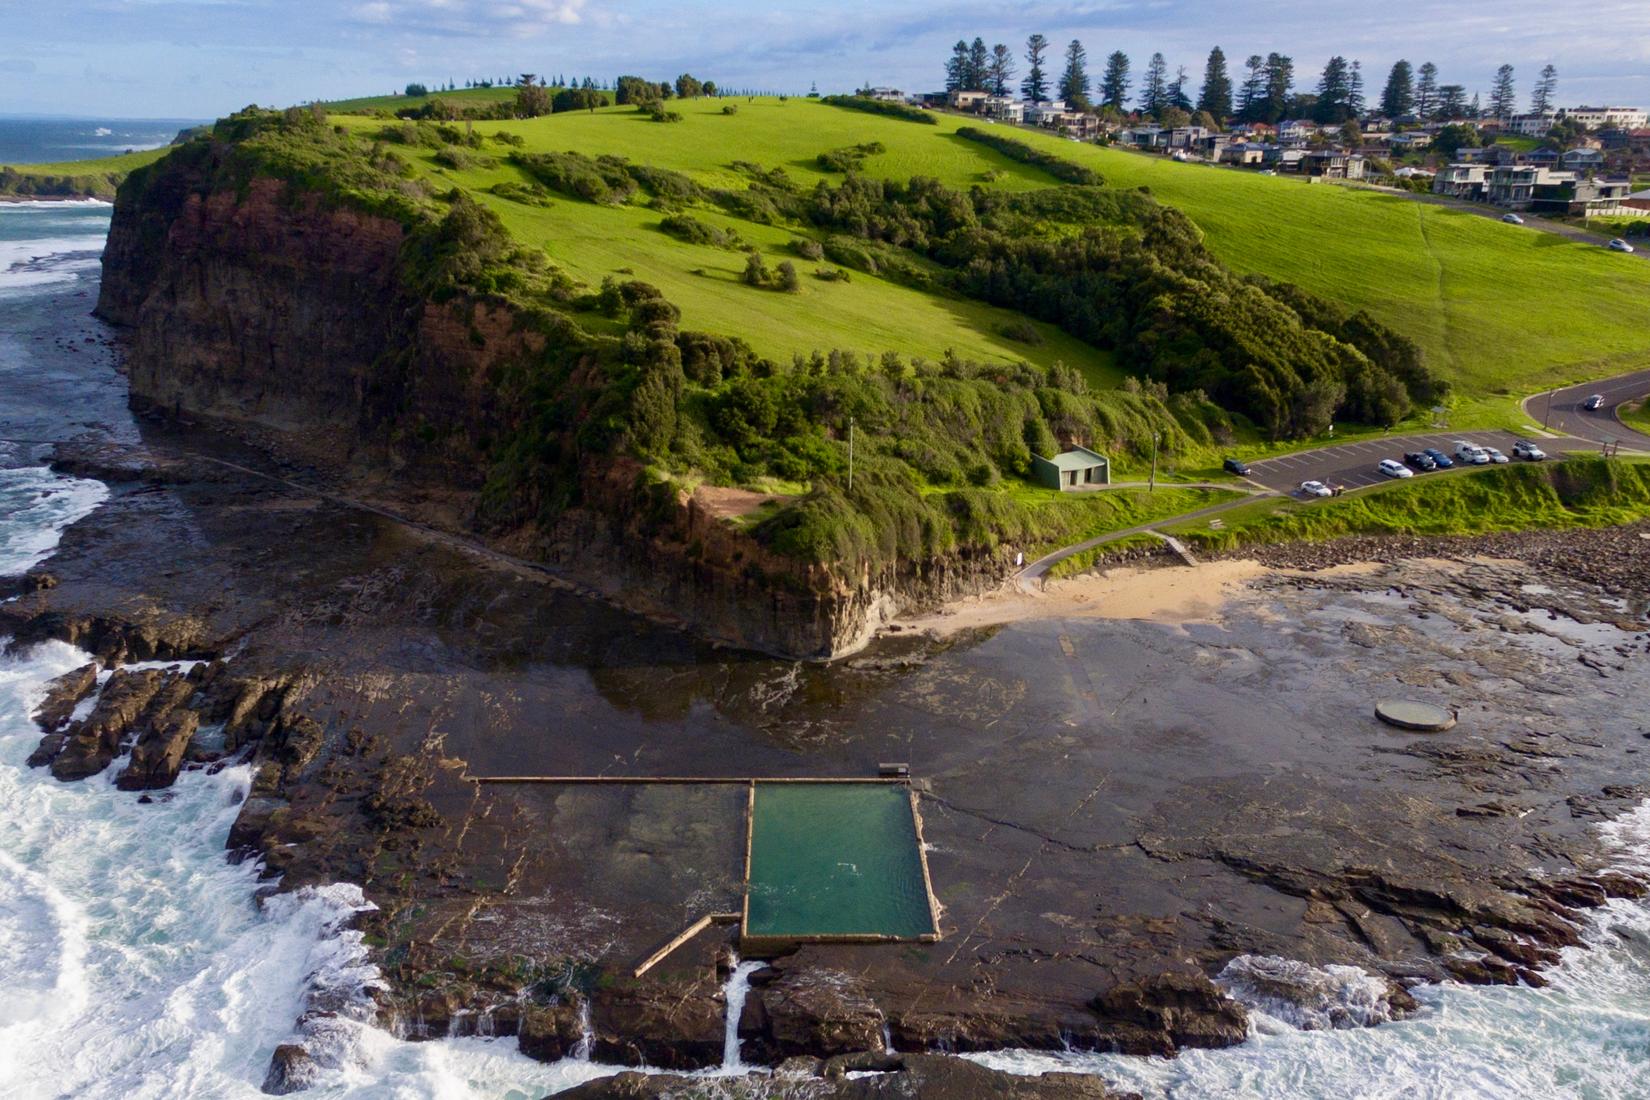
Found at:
(138, 962)
(49, 140)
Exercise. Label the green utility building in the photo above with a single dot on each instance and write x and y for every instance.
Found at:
(1076, 468)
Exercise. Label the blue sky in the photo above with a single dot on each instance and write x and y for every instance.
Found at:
(203, 58)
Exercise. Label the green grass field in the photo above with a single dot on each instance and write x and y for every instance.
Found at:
(1500, 310)
(74, 178)
(462, 97)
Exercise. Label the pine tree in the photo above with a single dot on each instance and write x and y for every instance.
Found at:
(1398, 97)
(956, 69)
(1074, 82)
(1035, 86)
(1216, 96)
(1355, 103)
(1280, 78)
(1114, 86)
(1452, 101)
(1541, 100)
(1154, 90)
(1177, 91)
(1001, 70)
(979, 65)
(1253, 94)
(1503, 100)
(1426, 92)
(1333, 90)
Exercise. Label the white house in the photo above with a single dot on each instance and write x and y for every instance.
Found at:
(1296, 131)
(1600, 118)
(1044, 112)
(1530, 125)
(1003, 109)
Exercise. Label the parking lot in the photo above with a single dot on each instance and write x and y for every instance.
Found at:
(1353, 464)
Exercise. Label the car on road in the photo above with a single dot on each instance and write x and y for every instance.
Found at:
(1594, 402)
(1439, 458)
(1236, 466)
(1529, 451)
(1496, 456)
(1619, 245)
(1512, 219)
(1316, 489)
(1470, 454)
(1391, 467)
(1421, 461)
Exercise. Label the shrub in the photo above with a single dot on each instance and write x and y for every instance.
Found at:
(786, 278)
(850, 158)
(832, 275)
(808, 248)
(686, 227)
(756, 272)
(528, 194)
(1058, 167)
(730, 109)
(881, 107)
(417, 90)
(1022, 330)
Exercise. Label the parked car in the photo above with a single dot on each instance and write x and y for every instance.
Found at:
(1529, 451)
(1391, 467)
(1619, 245)
(1316, 489)
(1421, 461)
(1236, 466)
(1495, 455)
(1470, 454)
(1439, 458)
(1512, 219)
(1594, 402)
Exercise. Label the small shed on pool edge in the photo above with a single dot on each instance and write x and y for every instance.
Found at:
(1075, 468)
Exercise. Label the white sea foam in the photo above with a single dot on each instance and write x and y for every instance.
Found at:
(1311, 998)
(52, 204)
(36, 505)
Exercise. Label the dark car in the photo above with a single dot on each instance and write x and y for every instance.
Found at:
(1236, 466)
(1439, 459)
(1594, 402)
(1420, 460)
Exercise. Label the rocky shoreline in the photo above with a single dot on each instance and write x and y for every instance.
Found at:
(370, 669)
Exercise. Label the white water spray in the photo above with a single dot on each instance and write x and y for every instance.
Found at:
(738, 986)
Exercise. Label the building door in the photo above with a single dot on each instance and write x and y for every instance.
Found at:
(1071, 478)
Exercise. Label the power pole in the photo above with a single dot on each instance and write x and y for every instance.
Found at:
(850, 454)
(1549, 411)
(1152, 485)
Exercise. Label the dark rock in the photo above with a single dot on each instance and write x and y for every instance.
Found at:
(93, 743)
(549, 1032)
(63, 695)
(291, 1069)
(1161, 1015)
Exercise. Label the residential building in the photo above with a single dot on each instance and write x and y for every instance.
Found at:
(1570, 195)
(965, 100)
(1334, 164)
(1535, 125)
(1638, 200)
(1581, 160)
(1036, 113)
(1295, 131)
(1244, 154)
(1410, 142)
(1144, 137)
(1282, 159)
(1462, 181)
(1077, 124)
(1073, 468)
(1003, 108)
(1602, 118)
(888, 95)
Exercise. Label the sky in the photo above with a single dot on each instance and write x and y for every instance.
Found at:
(205, 58)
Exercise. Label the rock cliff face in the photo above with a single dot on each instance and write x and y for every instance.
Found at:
(274, 312)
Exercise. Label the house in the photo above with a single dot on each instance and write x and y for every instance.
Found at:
(1295, 131)
(1073, 468)
(1075, 124)
(1579, 197)
(1144, 137)
(1581, 160)
(888, 95)
(1409, 172)
(1409, 142)
(962, 100)
(1535, 125)
(1284, 160)
(1638, 200)
(1461, 181)
(1044, 111)
(1603, 118)
(1004, 109)
(1541, 158)
(1334, 164)
(1244, 154)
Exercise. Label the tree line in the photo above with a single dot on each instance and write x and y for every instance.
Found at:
(1265, 91)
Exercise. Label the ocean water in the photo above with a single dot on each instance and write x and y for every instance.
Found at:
(49, 140)
(136, 961)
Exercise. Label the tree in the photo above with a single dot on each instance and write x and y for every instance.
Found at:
(1206, 120)
(1452, 101)
(532, 100)
(1426, 92)
(526, 80)
(956, 69)
(1253, 95)
(1334, 89)
(1001, 69)
(785, 278)
(417, 89)
(1355, 102)
(756, 272)
(1280, 78)
(1154, 90)
(708, 88)
(687, 87)
(1541, 99)
(1398, 97)
(1114, 86)
(1035, 86)
(1074, 82)
(979, 65)
(1352, 135)
(1456, 136)
(1216, 96)
(1177, 96)
(1173, 117)
(1503, 101)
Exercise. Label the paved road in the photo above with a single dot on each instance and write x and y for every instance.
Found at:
(1562, 410)
(1353, 464)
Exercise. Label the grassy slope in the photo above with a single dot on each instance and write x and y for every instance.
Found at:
(463, 97)
(1499, 309)
(866, 314)
(1578, 492)
(119, 164)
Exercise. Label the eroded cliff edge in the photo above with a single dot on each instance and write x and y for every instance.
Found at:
(273, 306)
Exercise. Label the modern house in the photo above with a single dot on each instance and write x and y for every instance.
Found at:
(1462, 181)
(963, 100)
(1074, 468)
(1296, 131)
(1042, 112)
(1244, 154)
(1600, 118)
(1534, 125)
(1334, 164)
(1581, 160)
(1003, 108)
(1638, 200)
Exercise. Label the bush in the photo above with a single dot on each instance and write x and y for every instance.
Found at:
(881, 107)
(849, 158)
(528, 194)
(416, 90)
(1022, 330)
(808, 248)
(786, 278)
(1058, 167)
(686, 227)
(756, 271)
(730, 109)
(833, 275)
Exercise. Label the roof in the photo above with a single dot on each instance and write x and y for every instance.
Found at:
(1075, 458)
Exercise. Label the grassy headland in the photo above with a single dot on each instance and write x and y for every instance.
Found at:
(78, 179)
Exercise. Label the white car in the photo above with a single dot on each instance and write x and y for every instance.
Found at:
(1495, 456)
(1619, 245)
(1512, 219)
(1526, 450)
(1316, 489)
(1470, 454)
(1391, 467)
(1594, 402)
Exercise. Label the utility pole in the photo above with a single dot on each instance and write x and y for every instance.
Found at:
(1549, 412)
(1152, 485)
(850, 454)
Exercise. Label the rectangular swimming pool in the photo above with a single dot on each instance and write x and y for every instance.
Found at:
(836, 861)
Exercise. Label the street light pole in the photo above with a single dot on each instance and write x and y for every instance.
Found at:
(1548, 414)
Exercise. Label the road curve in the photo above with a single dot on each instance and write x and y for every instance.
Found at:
(1561, 410)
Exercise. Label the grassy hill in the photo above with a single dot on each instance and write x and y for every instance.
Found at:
(463, 97)
(1497, 309)
(73, 179)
